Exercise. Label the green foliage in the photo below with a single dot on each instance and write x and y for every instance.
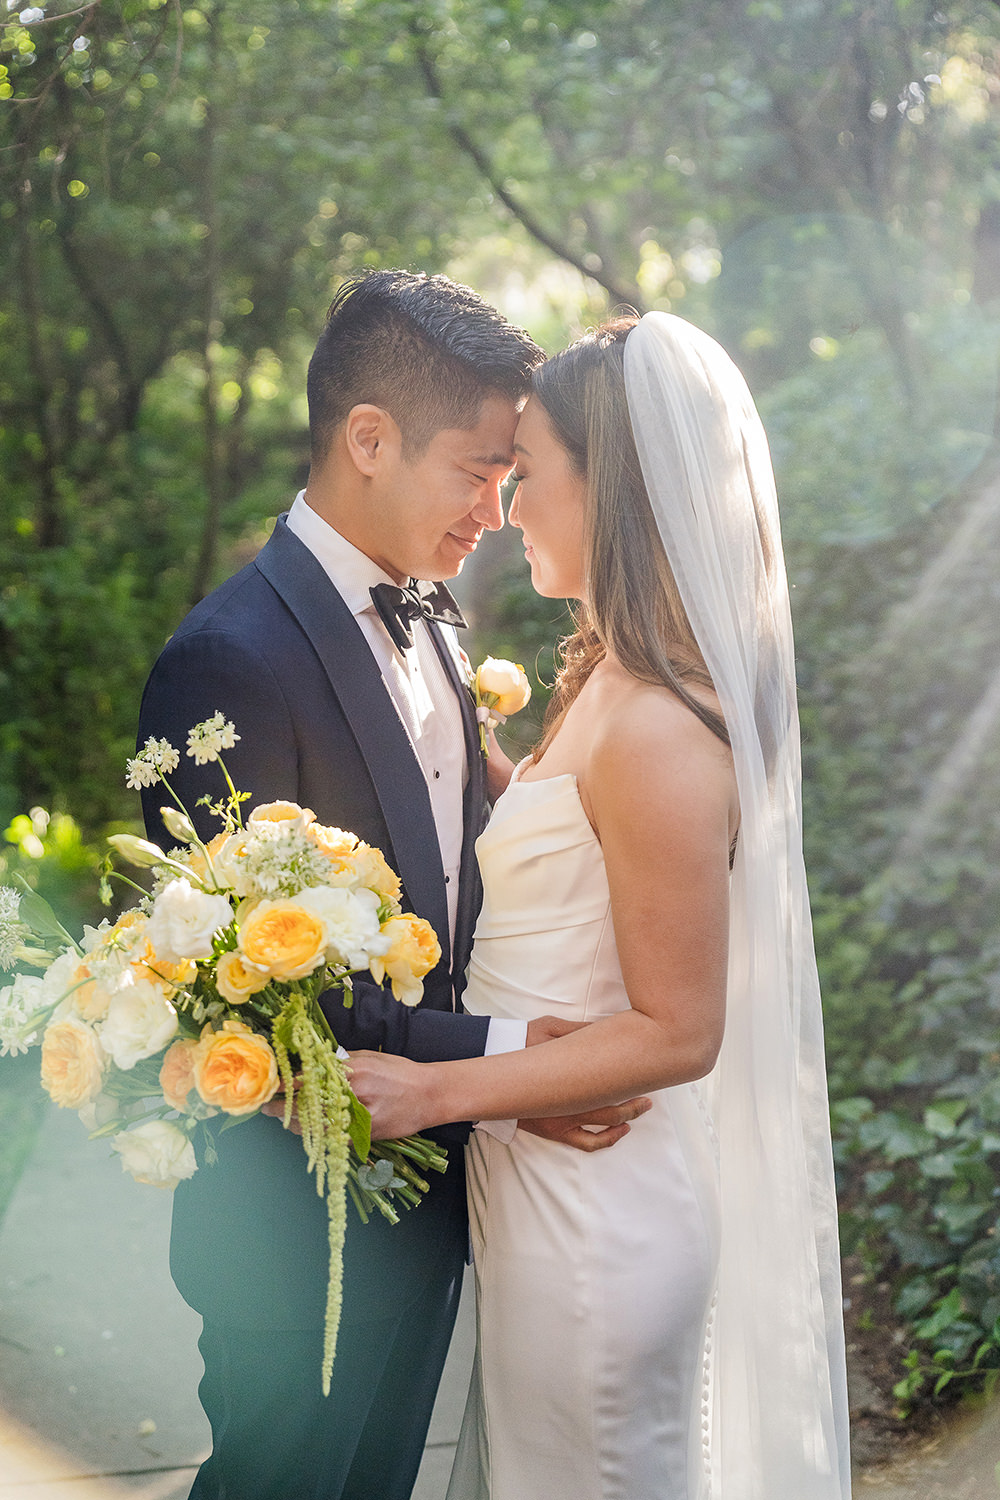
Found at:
(929, 1188)
(903, 847)
(49, 853)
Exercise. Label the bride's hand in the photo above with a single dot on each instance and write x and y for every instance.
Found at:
(594, 1130)
(394, 1091)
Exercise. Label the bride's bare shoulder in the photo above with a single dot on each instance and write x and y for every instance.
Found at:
(642, 733)
(624, 712)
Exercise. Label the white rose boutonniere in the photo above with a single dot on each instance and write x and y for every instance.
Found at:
(500, 688)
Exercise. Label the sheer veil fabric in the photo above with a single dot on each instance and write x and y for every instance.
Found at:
(776, 1407)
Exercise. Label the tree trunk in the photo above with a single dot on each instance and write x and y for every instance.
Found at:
(214, 459)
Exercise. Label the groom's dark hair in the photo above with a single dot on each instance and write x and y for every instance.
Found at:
(424, 348)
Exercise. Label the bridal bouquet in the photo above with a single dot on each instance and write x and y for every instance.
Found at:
(201, 1002)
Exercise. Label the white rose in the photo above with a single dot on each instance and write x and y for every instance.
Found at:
(185, 920)
(140, 1021)
(93, 937)
(27, 992)
(229, 860)
(353, 935)
(506, 681)
(59, 978)
(19, 1001)
(98, 1112)
(156, 1153)
(288, 816)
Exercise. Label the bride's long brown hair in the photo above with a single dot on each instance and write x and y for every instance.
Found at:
(633, 606)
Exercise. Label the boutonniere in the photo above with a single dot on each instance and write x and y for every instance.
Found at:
(499, 689)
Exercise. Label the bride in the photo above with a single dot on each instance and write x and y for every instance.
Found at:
(660, 1322)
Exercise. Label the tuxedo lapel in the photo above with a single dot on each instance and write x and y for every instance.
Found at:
(385, 747)
(475, 809)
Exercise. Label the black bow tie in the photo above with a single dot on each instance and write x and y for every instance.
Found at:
(398, 607)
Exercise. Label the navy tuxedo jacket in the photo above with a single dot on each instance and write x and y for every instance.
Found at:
(277, 651)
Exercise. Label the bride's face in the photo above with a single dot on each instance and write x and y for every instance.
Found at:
(548, 507)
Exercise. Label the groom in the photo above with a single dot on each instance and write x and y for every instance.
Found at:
(348, 697)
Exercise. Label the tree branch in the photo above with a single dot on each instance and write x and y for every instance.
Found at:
(520, 211)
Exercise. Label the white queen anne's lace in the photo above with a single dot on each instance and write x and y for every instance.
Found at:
(13, 932)
(207, 740)
(280, 860)
(157, 758)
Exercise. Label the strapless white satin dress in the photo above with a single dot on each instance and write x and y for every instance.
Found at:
(594, 1273)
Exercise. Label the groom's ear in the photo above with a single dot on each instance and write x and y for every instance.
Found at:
(370, 435)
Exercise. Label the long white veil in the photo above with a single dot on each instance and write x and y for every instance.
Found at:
(777, 1386)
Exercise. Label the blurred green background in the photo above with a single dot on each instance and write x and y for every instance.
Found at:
(818, 185)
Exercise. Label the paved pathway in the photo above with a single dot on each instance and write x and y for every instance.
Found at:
(98, 1360)
(99, 1366)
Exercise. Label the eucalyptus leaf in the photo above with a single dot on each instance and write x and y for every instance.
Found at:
(376, 1176)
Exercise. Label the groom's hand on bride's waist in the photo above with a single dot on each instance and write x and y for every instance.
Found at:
(598, 1128)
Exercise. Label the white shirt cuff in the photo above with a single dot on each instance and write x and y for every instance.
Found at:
(504, 1035)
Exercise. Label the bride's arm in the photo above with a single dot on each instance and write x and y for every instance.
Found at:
(660, 793)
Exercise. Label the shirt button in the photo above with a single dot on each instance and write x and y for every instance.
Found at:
(447, 880)
(437, 775)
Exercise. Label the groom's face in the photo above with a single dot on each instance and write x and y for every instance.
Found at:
(429, 512)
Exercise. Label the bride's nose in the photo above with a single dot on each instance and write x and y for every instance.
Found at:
(514, 512)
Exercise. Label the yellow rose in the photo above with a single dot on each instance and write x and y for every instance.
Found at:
(195, 861)
(90, 999)
(355, 863)
(413, 952)
(236, 979)
(234, 1069)
(335, 843)
(177, 1073)
(283, 939)
(125, 923)
(367, 867)
(217, 843)
(372, 870)
(169, 976)
(505, 682)
(72, 1063)
(222, 844)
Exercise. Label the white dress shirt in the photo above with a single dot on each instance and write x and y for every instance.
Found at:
(429, 711)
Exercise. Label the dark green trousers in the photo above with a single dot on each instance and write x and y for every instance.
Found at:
(276, 1437)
